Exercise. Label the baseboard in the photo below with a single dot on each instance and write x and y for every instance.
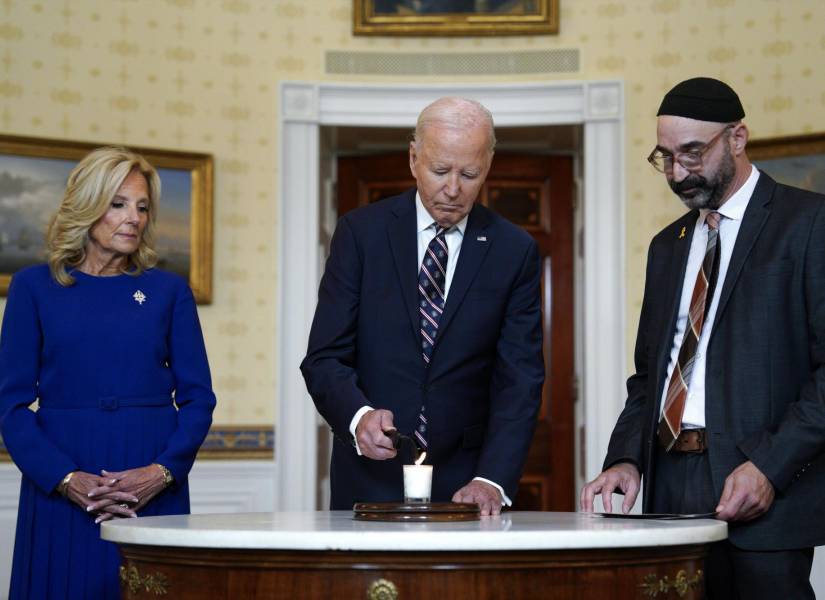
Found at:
(227, 486)
(9, 494)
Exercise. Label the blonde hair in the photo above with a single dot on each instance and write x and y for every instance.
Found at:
(91, 186)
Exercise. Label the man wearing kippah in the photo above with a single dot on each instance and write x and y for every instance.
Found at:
(725, 413)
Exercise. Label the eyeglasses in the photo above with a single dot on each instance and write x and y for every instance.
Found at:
(690, 160)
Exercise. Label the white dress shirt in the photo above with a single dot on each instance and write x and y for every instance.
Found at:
(426, 232)
(425, 229)
(732, 212)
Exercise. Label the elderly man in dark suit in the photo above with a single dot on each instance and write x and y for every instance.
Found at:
(726, 410)
(429, 321)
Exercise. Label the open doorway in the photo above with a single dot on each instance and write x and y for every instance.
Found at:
(306, 216)
(532, 182)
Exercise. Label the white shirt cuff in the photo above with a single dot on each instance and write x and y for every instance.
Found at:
(505, 501)
(354, 423)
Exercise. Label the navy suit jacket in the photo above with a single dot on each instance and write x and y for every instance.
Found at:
(765, 379)
(482, 388)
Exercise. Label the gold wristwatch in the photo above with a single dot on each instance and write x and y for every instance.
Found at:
(61, 487)
(167, 475)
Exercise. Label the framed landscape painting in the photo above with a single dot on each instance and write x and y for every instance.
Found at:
(798, 160)
(455, 17)
(33, 174)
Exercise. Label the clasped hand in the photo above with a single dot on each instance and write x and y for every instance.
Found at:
(115, 494)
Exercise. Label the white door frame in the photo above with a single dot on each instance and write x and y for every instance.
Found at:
(306, 106)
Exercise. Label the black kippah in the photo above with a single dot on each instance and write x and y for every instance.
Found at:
(703, 99)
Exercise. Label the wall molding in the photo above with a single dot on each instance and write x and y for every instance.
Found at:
(238, 442)
(9, 494)
(509, 62)
(305, 106)
(230, 486)
(223, 442)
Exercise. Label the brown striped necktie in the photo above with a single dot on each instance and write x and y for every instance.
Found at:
(670, 425)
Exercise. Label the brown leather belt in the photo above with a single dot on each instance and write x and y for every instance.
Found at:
(691, 440)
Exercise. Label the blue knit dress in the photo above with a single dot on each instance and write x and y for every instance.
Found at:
(104, 357)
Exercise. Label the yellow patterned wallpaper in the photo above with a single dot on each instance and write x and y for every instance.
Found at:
(202, 75)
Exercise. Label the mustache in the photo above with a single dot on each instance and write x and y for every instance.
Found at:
(691, 181)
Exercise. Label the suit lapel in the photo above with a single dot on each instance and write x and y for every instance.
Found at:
(752, 223)
(474, 247)
(680, 251)
(404, 244)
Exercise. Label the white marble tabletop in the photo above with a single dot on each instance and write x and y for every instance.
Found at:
(337, 530)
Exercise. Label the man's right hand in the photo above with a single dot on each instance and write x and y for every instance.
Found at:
(621, 476)
(369, 434)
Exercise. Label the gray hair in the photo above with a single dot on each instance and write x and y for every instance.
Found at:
(452, 111)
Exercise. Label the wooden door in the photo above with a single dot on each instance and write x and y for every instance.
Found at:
(535, 192)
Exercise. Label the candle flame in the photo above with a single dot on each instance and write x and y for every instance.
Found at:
(421, 458)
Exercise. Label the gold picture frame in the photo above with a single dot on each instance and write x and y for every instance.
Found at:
(33, 174)
(455, 17)
(797, 160)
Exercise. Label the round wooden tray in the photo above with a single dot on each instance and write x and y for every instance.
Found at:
(425, 511)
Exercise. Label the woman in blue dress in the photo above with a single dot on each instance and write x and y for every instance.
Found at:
(112, 350)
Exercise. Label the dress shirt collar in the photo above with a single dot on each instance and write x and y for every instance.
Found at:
(425, 220)
(735, 206)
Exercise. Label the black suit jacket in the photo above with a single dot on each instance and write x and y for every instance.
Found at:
(765, 380)
(482, 389)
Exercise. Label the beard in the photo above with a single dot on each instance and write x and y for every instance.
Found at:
(696, 191)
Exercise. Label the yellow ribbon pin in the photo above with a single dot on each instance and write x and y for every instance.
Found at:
(682, 233)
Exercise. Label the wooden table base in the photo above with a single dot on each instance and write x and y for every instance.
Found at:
(198, 573)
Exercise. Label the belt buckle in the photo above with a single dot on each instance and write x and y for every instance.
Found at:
(699, 441)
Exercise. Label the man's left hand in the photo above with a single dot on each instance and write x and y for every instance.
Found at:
(747, 494)
(485, 495)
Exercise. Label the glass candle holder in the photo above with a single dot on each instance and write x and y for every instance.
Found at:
(418, 483)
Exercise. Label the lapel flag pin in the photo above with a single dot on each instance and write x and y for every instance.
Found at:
(682, 233)
(481, 238)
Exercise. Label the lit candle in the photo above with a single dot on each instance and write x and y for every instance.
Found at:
(418, 481)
